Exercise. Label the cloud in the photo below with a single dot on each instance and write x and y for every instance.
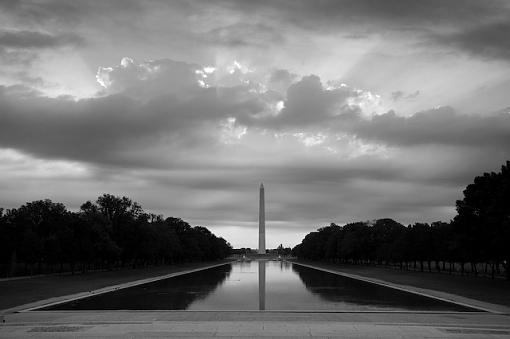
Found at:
(296, 12)
(22, 53)
(151, 78)
(65, 12)
(37, 40)
(478, 28)
(485, 40)
(308, 105)
(16, 57)
(441, 126)
(244, 34)
(150, 107)
(373, 14)
(281, 79)
(399, 95)
(113, 129)
(342, 109)
(168, 106)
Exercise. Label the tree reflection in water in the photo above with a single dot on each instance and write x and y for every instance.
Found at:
(338, 289)
(176, 293)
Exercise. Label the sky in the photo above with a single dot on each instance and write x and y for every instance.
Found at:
(346, 110)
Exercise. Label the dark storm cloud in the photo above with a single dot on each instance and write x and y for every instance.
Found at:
(281, 79)
(487, 40)
(121, 128)
(89, 130)
(311, 14)
(479, 28)
(229, 176)
(20, 48)
(373, 14)
(66, 12)
(243, 34)
(40, 11)
(161, 104)
(438, 126)
(35, 40)
(309, 104)
(113, 129)
(476, 27)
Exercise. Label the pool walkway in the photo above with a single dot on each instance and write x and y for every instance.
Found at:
(417, 287)
(133, 324)
(492, 293)
(15, 294)
(247, 324)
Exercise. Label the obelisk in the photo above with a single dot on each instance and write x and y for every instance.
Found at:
(262, 222)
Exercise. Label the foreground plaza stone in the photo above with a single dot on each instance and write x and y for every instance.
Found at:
(120, 324)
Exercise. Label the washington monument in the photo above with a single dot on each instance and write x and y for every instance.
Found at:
(262, 222)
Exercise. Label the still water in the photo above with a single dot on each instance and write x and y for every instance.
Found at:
(260, 285)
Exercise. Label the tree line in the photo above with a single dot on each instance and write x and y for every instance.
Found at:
(43, 236)
(478, 237)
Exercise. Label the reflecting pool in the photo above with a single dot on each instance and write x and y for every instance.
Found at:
(260, 285)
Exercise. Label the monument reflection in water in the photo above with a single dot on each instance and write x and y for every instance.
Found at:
(260, 285)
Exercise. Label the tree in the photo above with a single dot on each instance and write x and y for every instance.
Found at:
(8, 241)
(39, 226)
(384, 234)
(483, 220)
(110, 232)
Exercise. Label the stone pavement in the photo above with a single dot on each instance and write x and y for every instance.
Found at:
(175, 324)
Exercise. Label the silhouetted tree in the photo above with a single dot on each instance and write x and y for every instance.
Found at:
(480, 233)
(113, 231)
(483, 219)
